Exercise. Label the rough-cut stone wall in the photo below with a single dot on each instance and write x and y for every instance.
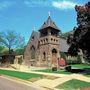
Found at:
(47, 44)
(33, 41)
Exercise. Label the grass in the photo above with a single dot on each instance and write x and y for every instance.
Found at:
(21, 75)
(73, 85)
(56, 72)
(81, 66)
(78, 66)
(87, 75)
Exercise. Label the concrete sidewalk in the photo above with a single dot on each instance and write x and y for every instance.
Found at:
(74, 76)
(80, 77)
(51, 83)
(48, 83)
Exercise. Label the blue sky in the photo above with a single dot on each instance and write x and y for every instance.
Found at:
(23, 15)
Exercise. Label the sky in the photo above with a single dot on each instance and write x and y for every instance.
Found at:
(24, 16)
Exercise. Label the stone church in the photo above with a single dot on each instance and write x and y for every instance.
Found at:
(44, 46)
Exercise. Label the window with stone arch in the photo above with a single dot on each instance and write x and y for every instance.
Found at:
(54, 56)
(54, 50)
(32, 52)
(44, 56)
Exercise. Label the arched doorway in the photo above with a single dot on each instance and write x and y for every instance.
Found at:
(44, 56)
(32, 52)
(54, 57)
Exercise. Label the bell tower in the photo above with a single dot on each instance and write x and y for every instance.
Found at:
(49, 42)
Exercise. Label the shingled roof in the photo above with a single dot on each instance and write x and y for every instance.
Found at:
(63, 45)
(49, 23)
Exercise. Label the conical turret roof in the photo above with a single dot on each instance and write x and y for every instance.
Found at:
(49, 23)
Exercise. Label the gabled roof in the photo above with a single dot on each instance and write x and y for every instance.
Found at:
(63, 45)
(34, 34)
(33, 40)
(49, 23)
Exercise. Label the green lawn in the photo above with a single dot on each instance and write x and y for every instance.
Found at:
(56, 72)
(61, 71)
(21, 75)
(81, 66)
(73, 85)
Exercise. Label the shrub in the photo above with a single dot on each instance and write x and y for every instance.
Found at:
(68, 68)
(79, 59)
(54, 68)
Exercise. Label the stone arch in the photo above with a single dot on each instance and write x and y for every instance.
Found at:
(44, 56)
(54, 57)
(54, 50)
(32, 49)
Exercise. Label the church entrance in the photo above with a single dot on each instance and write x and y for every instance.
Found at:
(54, 57)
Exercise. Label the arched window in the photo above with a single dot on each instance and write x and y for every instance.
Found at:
(32, 52)
(54, 51)
(44, 56)
(54, 57)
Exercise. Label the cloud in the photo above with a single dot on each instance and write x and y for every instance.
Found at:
(5, 4)
(60, 4)
(64, 4)
(39, 3)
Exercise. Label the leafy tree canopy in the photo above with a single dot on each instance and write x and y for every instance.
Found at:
(11, 40)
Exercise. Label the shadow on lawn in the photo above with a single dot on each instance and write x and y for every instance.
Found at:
(81, 71)
(78, 70)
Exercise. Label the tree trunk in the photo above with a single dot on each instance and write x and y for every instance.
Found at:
(9, 50)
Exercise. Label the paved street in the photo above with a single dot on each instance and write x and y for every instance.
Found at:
(6, 84)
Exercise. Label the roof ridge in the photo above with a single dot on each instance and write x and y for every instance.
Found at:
(49, 23)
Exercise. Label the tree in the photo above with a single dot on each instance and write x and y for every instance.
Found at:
(20, 51)
(2, 49)
(11, 40)
(81, 36)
